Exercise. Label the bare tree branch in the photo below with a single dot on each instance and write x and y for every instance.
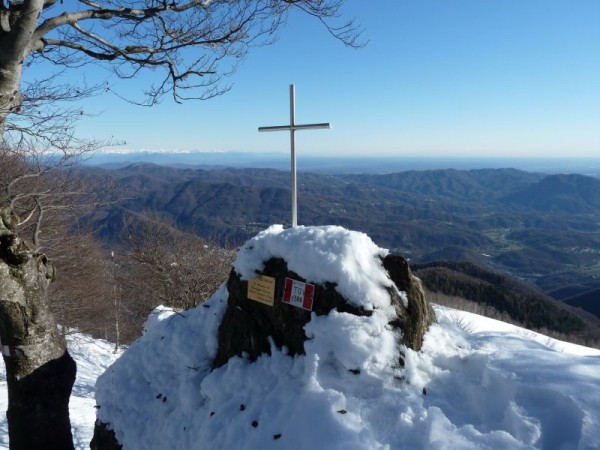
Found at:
(191, 46)
(156, 34)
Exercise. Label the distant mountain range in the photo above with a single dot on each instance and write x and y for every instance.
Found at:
(538, 227)
(336, 164)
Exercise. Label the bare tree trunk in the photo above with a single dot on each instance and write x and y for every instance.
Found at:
(115, 301)
(39, 370)
(10, 96)
(15, 45)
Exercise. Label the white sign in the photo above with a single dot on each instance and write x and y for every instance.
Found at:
(299, 294)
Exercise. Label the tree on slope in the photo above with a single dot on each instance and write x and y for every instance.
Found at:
(162, 265)
(190, 46)
(39, 371)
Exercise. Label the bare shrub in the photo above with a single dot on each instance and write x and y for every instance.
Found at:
(462, 323)
(165, 266)
(82, 291)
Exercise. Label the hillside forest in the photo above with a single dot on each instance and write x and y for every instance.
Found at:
(510, 244)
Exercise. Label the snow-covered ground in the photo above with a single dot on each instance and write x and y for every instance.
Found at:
(93, 356)
(477, 383)
(495, 376)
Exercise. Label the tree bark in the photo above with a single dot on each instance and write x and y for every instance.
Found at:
(16, 44)
(39, 370)
(10, 96)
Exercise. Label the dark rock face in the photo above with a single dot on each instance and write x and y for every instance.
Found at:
(104, 438)
(248, 325)
(414, 320)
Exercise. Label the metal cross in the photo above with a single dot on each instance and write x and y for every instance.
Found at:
(292, 127)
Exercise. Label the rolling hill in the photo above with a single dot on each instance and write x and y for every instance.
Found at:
(569, 194)
(541, 228)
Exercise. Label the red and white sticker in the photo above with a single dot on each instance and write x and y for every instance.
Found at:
(299, 294)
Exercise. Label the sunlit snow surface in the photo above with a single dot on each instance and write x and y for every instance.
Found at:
(477, 384)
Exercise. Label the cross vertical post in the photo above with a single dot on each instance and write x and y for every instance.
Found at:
(293, 151)
(292, 127)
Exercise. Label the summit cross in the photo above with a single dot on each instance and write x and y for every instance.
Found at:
(293, 127)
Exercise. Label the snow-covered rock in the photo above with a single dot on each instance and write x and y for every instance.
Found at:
(333, 270)
(464, 390)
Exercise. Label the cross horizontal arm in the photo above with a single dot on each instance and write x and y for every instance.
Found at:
(310, 126)
(292, 127)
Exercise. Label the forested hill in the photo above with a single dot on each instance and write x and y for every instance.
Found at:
(544, 228)
(481, 184)
(574, 194)
(501, 296)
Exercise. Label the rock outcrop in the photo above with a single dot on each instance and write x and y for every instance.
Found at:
(295, 288)
(248, 326)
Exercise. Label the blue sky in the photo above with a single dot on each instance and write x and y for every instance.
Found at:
(439, 77)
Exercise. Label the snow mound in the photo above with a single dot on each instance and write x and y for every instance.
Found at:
(319, 254)
(465, 390)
